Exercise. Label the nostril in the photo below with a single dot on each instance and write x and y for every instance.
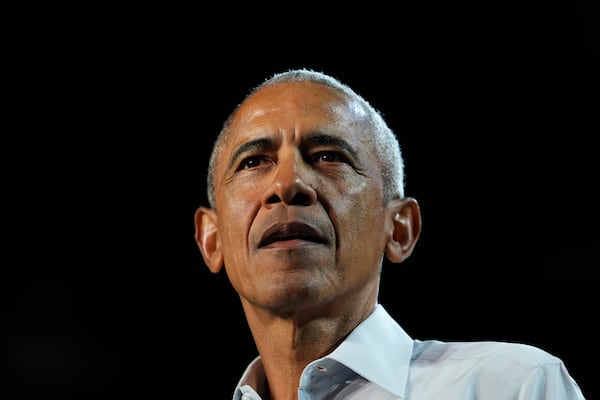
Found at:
(301, 199)
(298, 199)
(273, 199)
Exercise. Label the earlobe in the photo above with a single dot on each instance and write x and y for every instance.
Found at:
(207, 238)
(405, 217)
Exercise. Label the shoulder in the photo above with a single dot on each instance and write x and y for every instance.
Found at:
(497, 353)
(488, 369)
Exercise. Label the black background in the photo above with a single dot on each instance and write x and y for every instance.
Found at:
(495, 106)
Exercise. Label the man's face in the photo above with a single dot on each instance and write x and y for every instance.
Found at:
(299, 203)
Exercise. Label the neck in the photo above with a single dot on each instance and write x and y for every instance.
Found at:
(288, 344)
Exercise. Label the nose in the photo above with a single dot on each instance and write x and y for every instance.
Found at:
(291, 183)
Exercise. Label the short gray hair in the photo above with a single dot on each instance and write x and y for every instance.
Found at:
(385, 143)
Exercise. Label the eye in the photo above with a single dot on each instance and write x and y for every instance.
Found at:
(251, 162)
(328, 157)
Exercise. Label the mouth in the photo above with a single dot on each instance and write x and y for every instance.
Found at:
(295, 232)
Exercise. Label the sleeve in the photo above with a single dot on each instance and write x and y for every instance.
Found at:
(550, 382)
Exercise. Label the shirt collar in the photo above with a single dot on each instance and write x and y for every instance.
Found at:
(377, 349)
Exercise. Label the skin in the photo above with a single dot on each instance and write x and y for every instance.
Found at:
(301, 224)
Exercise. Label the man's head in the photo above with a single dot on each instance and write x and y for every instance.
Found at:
(306, 194)
(384, 142)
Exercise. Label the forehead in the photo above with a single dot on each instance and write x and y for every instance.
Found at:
(296, 105)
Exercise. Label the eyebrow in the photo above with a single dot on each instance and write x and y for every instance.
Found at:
(323, 139)
(263, 143)
(252, 145)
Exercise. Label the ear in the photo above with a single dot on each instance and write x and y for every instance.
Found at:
(405, 218)
(207, 238)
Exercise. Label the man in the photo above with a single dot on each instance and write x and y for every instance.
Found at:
(306, 194)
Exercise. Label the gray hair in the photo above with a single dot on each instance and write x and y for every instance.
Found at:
(385, 144)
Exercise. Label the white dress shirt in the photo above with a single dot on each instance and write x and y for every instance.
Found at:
(379, 361)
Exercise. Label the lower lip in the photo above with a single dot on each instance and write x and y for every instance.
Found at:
(289, 244)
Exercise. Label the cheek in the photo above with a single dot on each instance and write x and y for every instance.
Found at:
(236, 210)
(360, 214)
(239, 199)
(357, 189)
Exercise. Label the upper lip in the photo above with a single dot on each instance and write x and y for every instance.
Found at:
(290, 230)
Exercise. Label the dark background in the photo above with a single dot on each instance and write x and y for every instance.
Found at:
(495, 106)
